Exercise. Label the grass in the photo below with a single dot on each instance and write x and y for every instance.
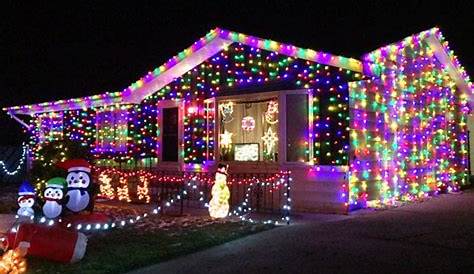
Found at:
(128, 249)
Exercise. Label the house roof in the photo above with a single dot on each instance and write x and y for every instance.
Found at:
(214, 41)
(435, 40)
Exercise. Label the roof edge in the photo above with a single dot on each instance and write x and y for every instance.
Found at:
(129, 95)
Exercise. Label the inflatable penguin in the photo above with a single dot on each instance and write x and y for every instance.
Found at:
(80, 194)
(26, 200)
(53, 196)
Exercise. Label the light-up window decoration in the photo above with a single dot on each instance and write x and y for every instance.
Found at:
(246, 152)
(235, 126)
(112, 129)
(50, 126)
(248, 123)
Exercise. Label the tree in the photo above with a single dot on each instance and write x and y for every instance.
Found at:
(46, 157)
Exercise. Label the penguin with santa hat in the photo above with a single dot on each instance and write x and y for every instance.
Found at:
(80, 188)
(53, 196)
(26, 200)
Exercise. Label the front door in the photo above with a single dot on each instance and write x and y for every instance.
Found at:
(170, 134)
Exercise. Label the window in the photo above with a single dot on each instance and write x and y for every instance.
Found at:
(50, 126)
(112, 130)
(170, 135)
(297, 128)
(248, 130)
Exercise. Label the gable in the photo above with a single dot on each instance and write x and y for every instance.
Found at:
(427, 43)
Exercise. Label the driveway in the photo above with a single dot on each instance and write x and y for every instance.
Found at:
(435, 236)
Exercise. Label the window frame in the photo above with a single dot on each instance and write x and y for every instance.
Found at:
(282, 142)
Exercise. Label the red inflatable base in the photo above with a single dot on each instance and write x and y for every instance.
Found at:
(50, 242)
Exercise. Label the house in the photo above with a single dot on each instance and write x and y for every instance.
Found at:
(354, 133)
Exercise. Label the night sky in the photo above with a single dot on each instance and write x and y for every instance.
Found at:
(52, 52)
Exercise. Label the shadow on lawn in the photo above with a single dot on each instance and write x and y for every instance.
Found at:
(127, 249)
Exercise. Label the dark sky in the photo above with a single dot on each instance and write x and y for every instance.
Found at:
(59, 51)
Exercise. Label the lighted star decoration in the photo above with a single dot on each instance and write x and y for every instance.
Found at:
(226, 139)
(269, 139)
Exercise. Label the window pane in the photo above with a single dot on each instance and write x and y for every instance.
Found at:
(170, 134)
(248, 130)
(297, 128)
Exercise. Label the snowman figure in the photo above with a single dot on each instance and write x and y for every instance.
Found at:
(26, 200)
(219, 204)
(79, 194)
(53, 196)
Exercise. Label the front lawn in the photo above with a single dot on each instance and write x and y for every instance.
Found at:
(122, 250)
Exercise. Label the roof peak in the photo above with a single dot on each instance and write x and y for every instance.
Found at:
(214, 41)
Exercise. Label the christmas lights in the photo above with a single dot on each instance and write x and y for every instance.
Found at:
(226, 139)
(248, 123)
(105, 187)
(269, 140)
(13, 260)
(271, 115)
(399, 130)
(143, 190)
(20, 163)
(278, 180)
(126, 132)
(408, 127)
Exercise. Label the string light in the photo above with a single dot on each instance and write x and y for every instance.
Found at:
(404, 130)
(20, 163)
(13, 260)
(408, 128)
(278, 180)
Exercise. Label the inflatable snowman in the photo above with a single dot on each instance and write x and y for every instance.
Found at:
(26, 200)
(79, 194)
(53, 196)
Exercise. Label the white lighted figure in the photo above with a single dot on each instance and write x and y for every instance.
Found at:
(219, 204)
(226, 139)
(246, 152)
(26, 200)
(271, 115)
(53, 196)
(269, 140)
(79, 185)
(248, 123)
(226, 110)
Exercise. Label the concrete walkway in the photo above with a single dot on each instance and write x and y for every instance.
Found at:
(436, 236)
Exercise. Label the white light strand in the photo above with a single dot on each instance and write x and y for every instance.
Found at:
(243, 210)
(17, 169)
